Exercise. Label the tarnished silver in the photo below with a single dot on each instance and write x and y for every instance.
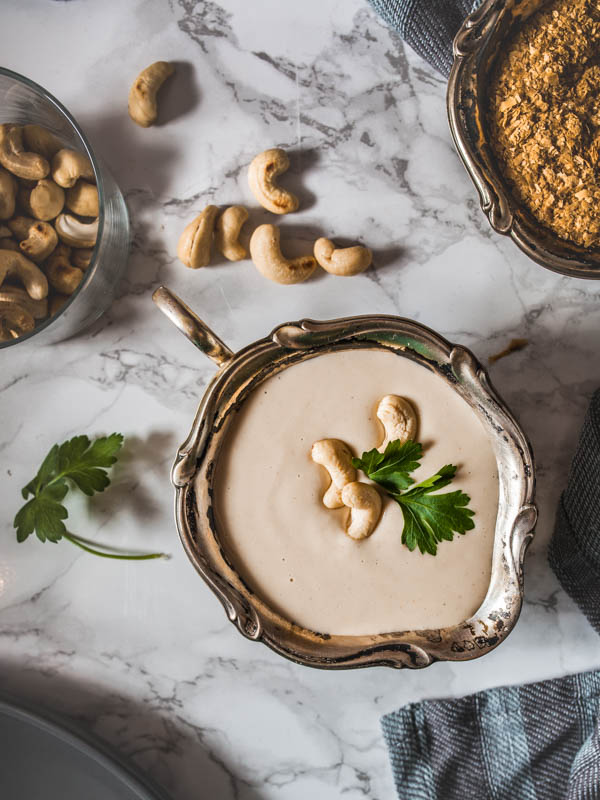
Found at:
(476, 46)
(196, 461)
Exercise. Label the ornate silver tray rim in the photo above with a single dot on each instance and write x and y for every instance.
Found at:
(475, 48)
(288, 344)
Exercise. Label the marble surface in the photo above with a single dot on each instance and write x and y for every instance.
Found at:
(142, 654)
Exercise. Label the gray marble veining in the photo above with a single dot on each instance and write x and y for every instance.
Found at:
(142, 654)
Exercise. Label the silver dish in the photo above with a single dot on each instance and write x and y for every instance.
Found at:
(476, 46)
(238, 375)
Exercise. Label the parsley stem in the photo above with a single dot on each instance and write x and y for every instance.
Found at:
(121, 556)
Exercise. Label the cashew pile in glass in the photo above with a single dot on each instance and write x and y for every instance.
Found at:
(48, 225)
(212, 226)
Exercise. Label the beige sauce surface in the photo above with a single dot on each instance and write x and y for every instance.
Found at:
(293, 551)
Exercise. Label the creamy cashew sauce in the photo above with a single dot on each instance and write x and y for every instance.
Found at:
(293, 551)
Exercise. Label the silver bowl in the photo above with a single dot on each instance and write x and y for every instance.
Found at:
(194, 469)
(476, 47)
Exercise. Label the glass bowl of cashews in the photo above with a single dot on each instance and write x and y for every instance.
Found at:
(64, 229)
(307, 555)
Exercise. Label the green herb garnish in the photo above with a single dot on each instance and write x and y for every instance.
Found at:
(77, 462)
(428, 518)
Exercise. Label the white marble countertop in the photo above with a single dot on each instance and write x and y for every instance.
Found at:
(142, 654)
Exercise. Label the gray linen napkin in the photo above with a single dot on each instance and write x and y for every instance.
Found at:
(575, 547)
(535, 742)
(428, 26)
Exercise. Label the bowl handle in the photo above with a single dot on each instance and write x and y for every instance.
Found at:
(192, 326)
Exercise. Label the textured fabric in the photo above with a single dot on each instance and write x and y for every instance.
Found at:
(575, 547)
(428, 26)
(534, 742)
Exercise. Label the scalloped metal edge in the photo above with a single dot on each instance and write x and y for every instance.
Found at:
(292, 342)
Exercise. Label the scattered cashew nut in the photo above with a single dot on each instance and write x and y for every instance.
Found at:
(46, 200)
(74, 232)
(40, 242)
(343, 261)
(266, 254)
(364, 502)
(62, 275)
(15, 321)
(13, 264)
(70, 165)
(227, 232)
(262, 172)
(8, 194)
(195, 242)
(143, 107)
(398, 418)
(39, 140)
(82, 199)
(16, 159)
(335, 456)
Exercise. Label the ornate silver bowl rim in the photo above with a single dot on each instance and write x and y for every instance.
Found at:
(475, 48)
(238, 375)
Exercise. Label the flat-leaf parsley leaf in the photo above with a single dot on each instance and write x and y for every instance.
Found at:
(428, 518)
(77, 462)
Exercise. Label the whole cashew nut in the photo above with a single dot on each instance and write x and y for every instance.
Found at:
(335, 456)
(46, 200)
(82, 257)
(39, 140)
(195, 242)
(14, 264)
(262, 172)
(57, 301)
(13, 294)
(143, 107)
(398, 418)
(62, 275)
(364, 502)
(20, 226)
(82, 199)
(16, 159)
(74, 232)
(70, 165)
(344, 261)
(15, 321)
(8, 194)
(9, 244)
(227, 232)
(266, 254)
(40, 242)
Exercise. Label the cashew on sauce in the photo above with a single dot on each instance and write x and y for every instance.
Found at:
(363, 500)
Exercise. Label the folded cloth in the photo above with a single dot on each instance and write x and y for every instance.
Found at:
(428, 26)
(575, 547)
(535, 742)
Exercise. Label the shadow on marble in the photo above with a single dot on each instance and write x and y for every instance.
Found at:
(302, 160)
(182, 757)
(128, 489)
(129, 151)
(180, 95)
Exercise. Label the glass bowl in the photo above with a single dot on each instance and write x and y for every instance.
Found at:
(476, 47)
(24, 102)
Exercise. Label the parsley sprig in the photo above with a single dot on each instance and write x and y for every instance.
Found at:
(428, 518)
(77, 462)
